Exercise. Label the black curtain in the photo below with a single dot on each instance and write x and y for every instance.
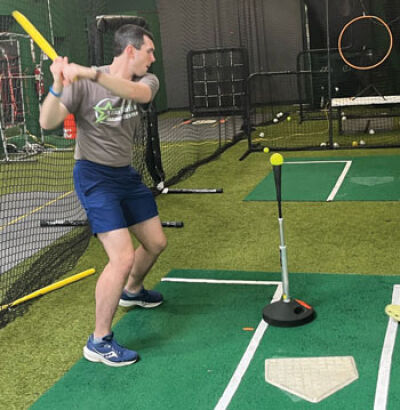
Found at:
(340, 13)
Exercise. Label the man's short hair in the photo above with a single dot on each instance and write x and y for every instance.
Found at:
(129, 34)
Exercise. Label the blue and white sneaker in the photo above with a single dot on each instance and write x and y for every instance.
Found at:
(144, 298)
(109, 352)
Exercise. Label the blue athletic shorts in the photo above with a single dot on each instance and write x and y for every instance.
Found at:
(113, 198)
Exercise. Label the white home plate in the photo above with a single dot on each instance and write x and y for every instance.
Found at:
(311, 378)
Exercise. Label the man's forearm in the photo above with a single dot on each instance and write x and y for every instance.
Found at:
(124, 88)
(52, 112)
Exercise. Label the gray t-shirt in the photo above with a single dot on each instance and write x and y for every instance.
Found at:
(106, 124)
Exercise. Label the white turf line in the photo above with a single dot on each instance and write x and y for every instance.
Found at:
(382, 387)
(246, 359)
(315, 162)
(339, 182)
(222, 281)
(341, 178)
(385, 364)
(248, 355)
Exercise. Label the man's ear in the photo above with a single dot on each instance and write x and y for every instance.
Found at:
(130, 50)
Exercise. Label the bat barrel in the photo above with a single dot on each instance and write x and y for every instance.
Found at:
(35, 34)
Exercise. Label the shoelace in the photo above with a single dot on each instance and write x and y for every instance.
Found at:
(117, 348)
(112, 344)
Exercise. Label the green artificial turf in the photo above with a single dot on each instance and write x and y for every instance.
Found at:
(192, 344)
(221, 232)
(372, 178)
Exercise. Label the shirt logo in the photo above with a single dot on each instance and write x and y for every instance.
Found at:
(106, 112)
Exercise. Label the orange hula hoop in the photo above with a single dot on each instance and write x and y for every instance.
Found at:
(370, 67)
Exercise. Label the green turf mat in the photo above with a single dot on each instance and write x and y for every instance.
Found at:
(300, 182)
(194, 339)
(350, 322)
(191, 345)
(371, 178)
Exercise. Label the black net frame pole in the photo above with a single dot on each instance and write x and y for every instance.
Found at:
(98, 45)
(246, 120)
(153, 151)
(328, 45)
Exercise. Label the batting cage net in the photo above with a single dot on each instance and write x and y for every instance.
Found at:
(283, 74)
(35, 166)
(341, 86)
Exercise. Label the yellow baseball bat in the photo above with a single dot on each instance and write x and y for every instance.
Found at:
(35, 35)
(49, 288)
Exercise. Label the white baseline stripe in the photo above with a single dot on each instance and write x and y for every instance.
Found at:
(385, 364)
(314, 162)
(339, 182)
(244, 363)
(222, 281)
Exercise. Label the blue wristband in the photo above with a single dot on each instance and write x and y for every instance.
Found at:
(56, 94)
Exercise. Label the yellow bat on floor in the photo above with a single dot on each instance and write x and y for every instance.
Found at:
(49, 288)
(35, 35)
